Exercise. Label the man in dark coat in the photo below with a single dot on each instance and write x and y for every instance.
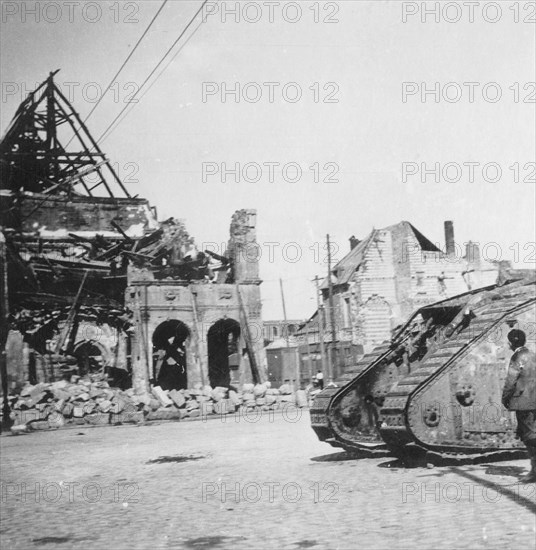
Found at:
(519, 394)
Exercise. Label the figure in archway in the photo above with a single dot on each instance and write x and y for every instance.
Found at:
(89, 357)
(222, 339)
(169, 355)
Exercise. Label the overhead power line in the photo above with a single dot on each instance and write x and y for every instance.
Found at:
(128, 57)
(155, 80)
(123, 65)
(179, 50)
(162, 59)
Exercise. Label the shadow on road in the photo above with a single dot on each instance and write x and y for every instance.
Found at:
(512, 492)
(423, 459)
(177, 458)
(345, 456)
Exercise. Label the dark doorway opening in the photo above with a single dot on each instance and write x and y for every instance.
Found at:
(169, 355)
(89, 358)
(222, 340)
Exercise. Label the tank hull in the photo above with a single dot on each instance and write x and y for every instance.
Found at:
(435, 388)
(452, 403)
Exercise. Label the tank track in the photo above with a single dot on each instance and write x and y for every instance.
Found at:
(396, 429)
(321, 419)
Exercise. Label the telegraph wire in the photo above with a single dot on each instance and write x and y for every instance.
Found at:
(128, 57)
(153, 71)
(124, 64)
(132, 105)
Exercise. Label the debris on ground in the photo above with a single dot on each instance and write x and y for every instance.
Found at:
(83, 401)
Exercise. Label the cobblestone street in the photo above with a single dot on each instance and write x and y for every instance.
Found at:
(245, 484)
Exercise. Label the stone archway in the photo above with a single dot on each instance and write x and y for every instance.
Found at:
(222, 342)
(169, 355)
(90, 357)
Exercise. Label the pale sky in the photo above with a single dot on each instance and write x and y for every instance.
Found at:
(369, 133)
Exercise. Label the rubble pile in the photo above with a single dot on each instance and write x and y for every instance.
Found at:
(83, 401)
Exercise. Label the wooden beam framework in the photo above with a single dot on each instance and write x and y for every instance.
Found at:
(33, 157)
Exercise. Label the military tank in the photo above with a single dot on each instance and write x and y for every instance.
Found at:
(436, 386)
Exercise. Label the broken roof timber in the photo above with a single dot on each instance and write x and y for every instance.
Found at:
(33, 150)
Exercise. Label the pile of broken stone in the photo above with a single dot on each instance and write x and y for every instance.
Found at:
(82, 401)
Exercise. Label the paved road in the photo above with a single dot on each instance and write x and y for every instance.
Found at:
(243, 485)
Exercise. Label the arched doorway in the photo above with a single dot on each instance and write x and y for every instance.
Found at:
(169, 355)
(90, 357)
(222, 340)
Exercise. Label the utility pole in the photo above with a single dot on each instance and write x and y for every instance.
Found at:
(331, 310)
(320, 308)
(284, 308)
(309, 358)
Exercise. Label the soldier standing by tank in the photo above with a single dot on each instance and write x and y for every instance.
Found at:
(519, 394)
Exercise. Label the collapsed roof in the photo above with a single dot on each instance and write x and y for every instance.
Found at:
(34, 153)
(69, 237)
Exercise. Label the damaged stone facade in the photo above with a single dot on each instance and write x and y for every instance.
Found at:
(393, 272)
(130, 306)
(97, 286)
(381, 281)
(203, 322)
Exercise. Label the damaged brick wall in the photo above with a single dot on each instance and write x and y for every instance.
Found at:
(96, 348)
(398, 271)
(73, 256)
(243, 249)
(55, 216)
(201, 306)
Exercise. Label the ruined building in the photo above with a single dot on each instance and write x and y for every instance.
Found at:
(93, 283)
(380, 282)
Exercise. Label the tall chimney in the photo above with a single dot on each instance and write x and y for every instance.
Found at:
(353, 242)
(449, 239)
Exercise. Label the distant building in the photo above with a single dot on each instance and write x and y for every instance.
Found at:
(282, 362)
(281, 350)
(272, 330)
(381, 281)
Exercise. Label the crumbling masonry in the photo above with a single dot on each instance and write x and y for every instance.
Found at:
(95, 285)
